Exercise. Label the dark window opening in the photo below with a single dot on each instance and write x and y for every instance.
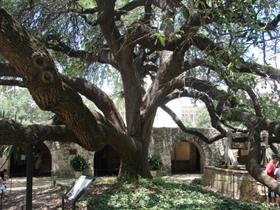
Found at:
(42, 161)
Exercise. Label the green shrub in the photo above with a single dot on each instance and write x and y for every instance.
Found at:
(78, 163)
(154, 162)
(161, 194)
(196, 181)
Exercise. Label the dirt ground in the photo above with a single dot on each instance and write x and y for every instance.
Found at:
(42, 199)
(44, 196)
(47, 197)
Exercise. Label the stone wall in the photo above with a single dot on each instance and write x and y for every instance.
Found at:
(164, 139)
(162, 144)
(237, 184)
(62, 153)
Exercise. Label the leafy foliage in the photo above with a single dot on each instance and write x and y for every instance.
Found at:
(202, 118)
(238, 27)
(163, 194)
(200, 49)
(17, 104)
(78, 163)
(270, 106)
(154, 162)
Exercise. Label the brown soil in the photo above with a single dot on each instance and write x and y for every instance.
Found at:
(42, 199)
(48, 198)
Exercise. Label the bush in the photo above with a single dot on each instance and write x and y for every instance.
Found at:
(196, 181)
(154, 162)
(160, 193)
(78, 163)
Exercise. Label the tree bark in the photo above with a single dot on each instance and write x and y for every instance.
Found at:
(32, 61)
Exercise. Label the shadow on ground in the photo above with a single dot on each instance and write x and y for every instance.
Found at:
(42, 199)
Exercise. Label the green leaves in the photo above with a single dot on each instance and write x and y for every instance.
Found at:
(185, 12)
(161, 38)
(78, 163)
(17, 104)
(87, 3)
(270, 106)
(154, 162)
(159, 194)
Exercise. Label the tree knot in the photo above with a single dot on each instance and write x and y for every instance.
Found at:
(47, 77)
(39, 60)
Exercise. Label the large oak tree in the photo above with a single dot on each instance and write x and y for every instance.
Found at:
(161, 50)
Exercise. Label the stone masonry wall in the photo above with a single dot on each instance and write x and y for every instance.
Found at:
(164, 139)
(61, 157)
(237, 184)
(162, 144)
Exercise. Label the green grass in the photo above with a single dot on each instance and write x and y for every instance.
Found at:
(162, 194)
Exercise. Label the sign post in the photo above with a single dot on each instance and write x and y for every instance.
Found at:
(29, 175)
(77, 190)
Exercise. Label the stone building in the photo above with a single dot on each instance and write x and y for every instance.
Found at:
(179, 152)
(48, 158)
(184, 153)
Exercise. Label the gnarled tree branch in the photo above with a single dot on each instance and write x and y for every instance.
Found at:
(8, 70)
(189, 130)
(11, 82)
(102, 56)
(205, 44)
(252, 121)
(181, 82)
(32, 61)
(100, 98)
(13, 133)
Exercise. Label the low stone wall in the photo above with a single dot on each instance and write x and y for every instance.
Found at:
(237, 184)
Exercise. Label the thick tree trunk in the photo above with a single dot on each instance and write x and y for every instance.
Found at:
(138, 166)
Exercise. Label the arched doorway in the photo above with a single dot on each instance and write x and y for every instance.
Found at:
(106, 162)
(42, 163)
(185, 158)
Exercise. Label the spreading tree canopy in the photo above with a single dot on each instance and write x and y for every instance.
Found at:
(223, 53)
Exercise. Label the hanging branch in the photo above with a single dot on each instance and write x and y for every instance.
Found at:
(190, 131)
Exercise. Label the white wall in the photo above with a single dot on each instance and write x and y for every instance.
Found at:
(162, 119)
